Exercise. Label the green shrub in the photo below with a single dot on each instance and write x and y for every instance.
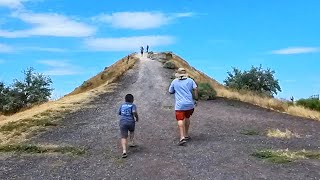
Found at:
(169, 65)
(313, 104)
(206, 91)
(258, 80)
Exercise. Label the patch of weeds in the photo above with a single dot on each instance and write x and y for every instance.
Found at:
(272, 156)
(276, 133)
(250, 132)
(286, 156)
(24, 125)
(36, 149)
(46, 113)
(62, 106)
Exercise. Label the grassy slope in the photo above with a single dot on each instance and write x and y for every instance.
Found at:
(222, 91)
(103, 82)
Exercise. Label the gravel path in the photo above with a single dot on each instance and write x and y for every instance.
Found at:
(217, 150)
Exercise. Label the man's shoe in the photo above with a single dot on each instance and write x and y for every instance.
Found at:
(124, 155)
(187, 138)
(182, 142)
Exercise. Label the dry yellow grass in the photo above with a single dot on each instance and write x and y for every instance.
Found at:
(277, 133)
(101, 83)
(222, 91)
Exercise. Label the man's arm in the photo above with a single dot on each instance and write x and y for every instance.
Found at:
(171, 89)
(196, 94)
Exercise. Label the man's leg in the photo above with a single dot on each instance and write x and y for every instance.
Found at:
(187, 124)
(182, 128)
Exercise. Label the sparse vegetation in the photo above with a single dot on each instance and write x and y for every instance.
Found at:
(258, 80)
(313, 104)
(285, 156)
(169, 65)
(36, 149)
(250, 132)
(276, 133)
(108, 75)
(206, 91)
(26, 124)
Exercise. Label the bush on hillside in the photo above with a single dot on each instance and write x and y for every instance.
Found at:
(206, 91)
(35, 88)
(258, 80)
(169, 65)
(313, 104)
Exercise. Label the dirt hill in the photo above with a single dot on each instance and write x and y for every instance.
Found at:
(225, 135)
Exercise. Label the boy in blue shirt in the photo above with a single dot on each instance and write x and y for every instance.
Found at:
(128, 116)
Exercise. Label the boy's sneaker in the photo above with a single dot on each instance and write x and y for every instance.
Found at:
(124, 155)
(182, 142)
(132, 144)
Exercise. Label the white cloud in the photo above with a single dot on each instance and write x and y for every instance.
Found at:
(5, 48)
(59, 68)
(296, 50)
(12, 4)
(139, 20)
(45, 49)
(49, 25)
(127, 43)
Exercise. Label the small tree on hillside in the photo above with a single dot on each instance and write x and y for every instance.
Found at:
(35, 87)
(258, 80)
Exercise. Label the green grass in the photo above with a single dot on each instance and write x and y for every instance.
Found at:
(35, 149)
(285, 156)
(250, 132)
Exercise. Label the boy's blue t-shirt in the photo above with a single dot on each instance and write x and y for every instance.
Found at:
(126, 112)
(182, 90)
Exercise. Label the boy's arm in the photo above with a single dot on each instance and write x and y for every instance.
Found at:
(119, 111)
(135, 114)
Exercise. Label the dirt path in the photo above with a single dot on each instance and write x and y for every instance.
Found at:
(218, 150)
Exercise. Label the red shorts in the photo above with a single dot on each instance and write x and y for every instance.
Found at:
(182, 114)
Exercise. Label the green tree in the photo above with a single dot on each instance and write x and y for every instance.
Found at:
(257, 79)
(35, 87)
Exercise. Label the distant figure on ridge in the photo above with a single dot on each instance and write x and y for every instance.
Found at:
(147, 48)
(182, 88)
(128, 118)
(141, 50)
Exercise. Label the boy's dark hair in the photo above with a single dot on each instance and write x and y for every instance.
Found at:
(129, 98)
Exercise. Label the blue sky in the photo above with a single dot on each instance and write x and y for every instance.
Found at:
(73, 40)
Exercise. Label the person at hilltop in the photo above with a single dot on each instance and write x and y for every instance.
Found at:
(183, 87)
(141, 50)
(128, 116)
(147, 48)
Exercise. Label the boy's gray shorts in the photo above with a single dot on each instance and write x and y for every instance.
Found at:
(125, 127)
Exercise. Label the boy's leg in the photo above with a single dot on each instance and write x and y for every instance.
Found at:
(132, 144)
(124, 145)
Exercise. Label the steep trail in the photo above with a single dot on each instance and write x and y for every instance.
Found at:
(217, 150)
